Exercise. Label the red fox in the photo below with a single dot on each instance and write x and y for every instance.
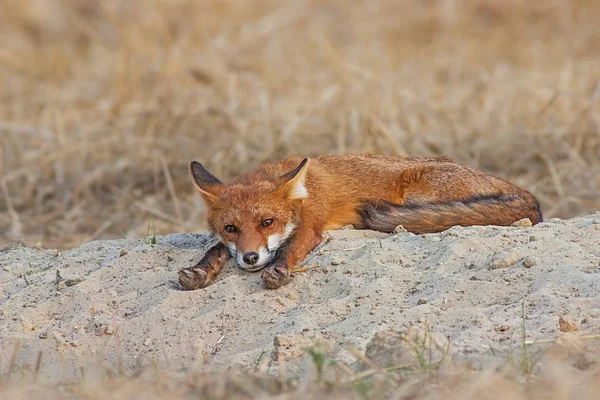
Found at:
(271, 218)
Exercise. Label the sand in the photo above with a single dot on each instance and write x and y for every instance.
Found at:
(117, 303)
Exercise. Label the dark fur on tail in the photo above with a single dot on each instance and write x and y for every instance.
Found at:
(426, 217)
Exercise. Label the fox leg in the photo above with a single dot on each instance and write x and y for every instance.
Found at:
(279, 272)
(203, 273)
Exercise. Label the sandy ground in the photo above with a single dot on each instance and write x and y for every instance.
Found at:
(118, 302)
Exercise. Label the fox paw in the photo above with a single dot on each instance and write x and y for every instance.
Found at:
(275, 277)
(193, 278)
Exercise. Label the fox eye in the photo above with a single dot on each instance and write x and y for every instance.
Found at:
(230, 228)
(267, 222)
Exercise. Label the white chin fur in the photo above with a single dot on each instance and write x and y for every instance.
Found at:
(265, 254)
(277, 239)
(264, 257)
(231, 248)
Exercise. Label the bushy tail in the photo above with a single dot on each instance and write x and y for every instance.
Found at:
(426, 217)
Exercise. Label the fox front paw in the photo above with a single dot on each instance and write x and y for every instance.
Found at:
(193, 278)
(276, 276)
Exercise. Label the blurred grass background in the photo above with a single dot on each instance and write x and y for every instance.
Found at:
(104, 103)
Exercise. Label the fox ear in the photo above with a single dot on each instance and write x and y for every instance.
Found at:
(292, 183)
(206, 183)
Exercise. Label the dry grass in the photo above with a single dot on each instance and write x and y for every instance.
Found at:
(555, 379)
(103, 104)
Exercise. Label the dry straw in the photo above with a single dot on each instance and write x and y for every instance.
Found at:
(103, 103)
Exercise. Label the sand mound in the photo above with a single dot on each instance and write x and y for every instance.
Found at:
(118, 301)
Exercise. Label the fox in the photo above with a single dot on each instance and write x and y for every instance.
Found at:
(269, 219)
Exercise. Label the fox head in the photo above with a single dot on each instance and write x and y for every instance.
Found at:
(254, 219)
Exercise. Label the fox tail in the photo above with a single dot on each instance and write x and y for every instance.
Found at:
(427, 217)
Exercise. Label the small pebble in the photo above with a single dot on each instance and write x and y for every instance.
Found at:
(73, 282)
(109, 330)
(422, 301)
(503, 260)
(529, 262)
(566, 324)
(523, 223)
(58, 337)
(400, 229)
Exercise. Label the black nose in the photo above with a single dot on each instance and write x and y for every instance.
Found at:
(250, 258)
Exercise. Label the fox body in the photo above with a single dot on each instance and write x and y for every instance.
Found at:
(271, 218)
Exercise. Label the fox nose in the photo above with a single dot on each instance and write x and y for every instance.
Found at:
(250, 257)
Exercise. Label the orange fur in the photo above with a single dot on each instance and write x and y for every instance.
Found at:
(367, 191)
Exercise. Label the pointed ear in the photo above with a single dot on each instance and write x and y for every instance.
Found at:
(292, 184)
(208, 186)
